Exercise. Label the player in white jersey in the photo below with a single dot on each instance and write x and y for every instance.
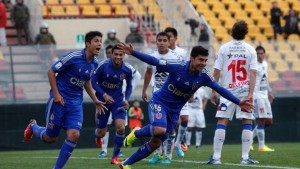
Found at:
(162, 52)
(238, 62)
(197, 106)
(105, 139)
(262, 98)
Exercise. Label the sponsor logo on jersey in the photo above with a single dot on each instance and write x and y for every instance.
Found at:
(178, 92)
(110, 85)
(238, 84)
(122, 76)
(77, 82)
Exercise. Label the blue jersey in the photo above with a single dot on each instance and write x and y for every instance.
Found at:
(108, 79)
(73, 72)
(180, 84)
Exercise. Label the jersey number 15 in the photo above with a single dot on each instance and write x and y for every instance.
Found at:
(236, 66)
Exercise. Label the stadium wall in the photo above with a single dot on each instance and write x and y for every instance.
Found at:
(66, 30)
(14, 119)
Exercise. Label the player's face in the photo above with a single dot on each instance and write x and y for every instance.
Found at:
(95, 45)
(117, 57)
(162, 43)
(172, 39)
(198, 63)
(108, 53)
(260, 55)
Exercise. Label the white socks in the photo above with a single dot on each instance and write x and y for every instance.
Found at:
(198, 138)
(188, 136)
(218, 142)
(180, 135)
(105, 141)
(246, 143)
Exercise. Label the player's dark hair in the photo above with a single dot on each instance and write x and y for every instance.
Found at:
(91, 34)
(260, 48)
(109, 47)
(199, 50)
(114, 48)
(172, 30)
(163, 34)
(239, 30)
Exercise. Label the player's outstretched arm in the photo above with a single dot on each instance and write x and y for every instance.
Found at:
(128, 49)
(244, 104)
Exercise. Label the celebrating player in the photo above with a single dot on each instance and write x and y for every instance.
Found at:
(64, 107)
(108, 82)
(263, 96)
(183, 81)
(196, 116)
(238, 61)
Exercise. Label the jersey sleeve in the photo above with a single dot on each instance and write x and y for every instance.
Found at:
(224, 92)
(63, 63)
(253, 60)
(129, 78)
(219, 60)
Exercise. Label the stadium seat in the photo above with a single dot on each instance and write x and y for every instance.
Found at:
(272, 75)
(295, 85)
(104, 10)
(217, 6)
(293, 37)
(289, 76)
(253, 30)
(296, 66)
(243, 1)
(283, 46)
(121, 10)
(201, 8)
(52, 2)
(83, 2)
(250, 6)
(265, 6)
(72, 10)
(234, 7)
(256, 14)
(89, 10)
(229, 22)
(280, 86)
(263, 23)
(57, 11)
(45, 11)
(139, 9)
(240, 15)
(207, 14)
(282, 67)
(67, 2)
(268, 32)
(100, 1)
(116, 1)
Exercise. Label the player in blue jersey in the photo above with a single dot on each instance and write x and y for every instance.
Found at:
(108, 82)
(183, 81)
(64, 107)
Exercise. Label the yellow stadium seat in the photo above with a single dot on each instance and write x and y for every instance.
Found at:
(268, 31)
(121, 10)
(45, 11)
(67, 2)
(139, 9)
(249, 21)
(273, 55)
(218, 7)
(116, 1)
(256, 14)
(296, 66)
(201, 8)
(253, 30)
(234, 6)
(72, 10)
(244, 1)
(57, 11)
(265, 6)
(226, 38)
(260, 37)
(283, 46)
(291, 57)
(229, 22)
(52, 2)
(240, 15)
(272, 75)
(250, 6)
(153, 10)
(269, 47)
(208, 14)
(104, 10)
(89, 10)
(282, 67)
(223, 14)
(221, 31)
(85, 2)
(263, 23)
(99, 1)
(293, 37)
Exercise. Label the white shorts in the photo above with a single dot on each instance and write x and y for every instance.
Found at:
(263, 108)
(185, 110)
(110, 120)
(226, 109)
(196, 118)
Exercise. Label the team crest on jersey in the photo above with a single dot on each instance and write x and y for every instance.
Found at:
(195, 86)
(122, 76)
(158, 115)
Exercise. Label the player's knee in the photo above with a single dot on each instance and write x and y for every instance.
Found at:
(49, 140)
(159, 131)
(120, 129)
(184, 119)
(73, 135)
(155, 142)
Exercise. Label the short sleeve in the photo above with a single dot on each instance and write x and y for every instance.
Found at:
(64, 62)
(219, 60)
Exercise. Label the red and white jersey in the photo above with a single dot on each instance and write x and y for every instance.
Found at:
(160, 76)
(261, 85)
(235, 59)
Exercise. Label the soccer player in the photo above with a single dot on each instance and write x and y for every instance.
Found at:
(196, 116)
(108, 50)
(184, 79)
(262, 98)
(64, 107)
(238, 61)
(162, 52)
(184, 113)
(108, 82)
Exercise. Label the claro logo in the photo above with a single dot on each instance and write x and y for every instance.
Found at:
(177, 92)
(110, 85)
(77, 82)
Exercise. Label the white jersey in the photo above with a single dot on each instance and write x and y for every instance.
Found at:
(159, 76)
(235, 58)
(182, 52)
(199, 96)
(261, 85)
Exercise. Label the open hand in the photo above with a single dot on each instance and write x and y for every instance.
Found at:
(100, 108)
(108, 99)
(145, 97)
(246, 105)
(128, 49)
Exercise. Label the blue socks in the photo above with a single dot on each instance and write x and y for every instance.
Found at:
(143, 152)
(38, 131)
(260, 127)
(146, 131)
(65, 152)
(118, 142)
(247, 127)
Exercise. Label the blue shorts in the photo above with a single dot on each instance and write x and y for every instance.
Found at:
(160, 116)
(118, 112)
(66, 117)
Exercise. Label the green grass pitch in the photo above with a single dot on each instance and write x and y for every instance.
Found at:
(286, 155)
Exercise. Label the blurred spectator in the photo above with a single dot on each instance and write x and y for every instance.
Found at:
(45, 37)
(134, 36)
(111, 38)
(276, 13)
(193, 25)
(204, 37)
(108, 51)
(20, 17)
(291, 23)
(2, 24)
(135, 115)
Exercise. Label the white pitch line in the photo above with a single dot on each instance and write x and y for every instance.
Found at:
(189, 161)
